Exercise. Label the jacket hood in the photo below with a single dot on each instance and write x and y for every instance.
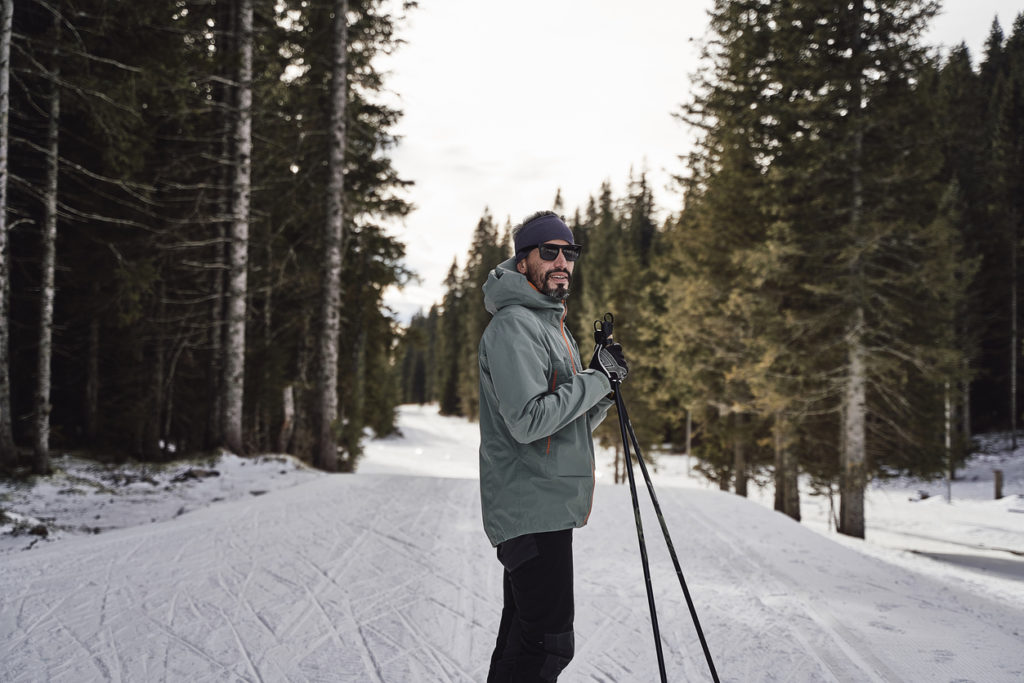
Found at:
(506, 286)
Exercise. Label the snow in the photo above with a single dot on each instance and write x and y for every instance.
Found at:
(84, 497)
(386, 575)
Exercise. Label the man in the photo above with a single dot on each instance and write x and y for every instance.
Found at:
(538, 407)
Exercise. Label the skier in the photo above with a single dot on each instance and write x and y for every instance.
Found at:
(538, 407)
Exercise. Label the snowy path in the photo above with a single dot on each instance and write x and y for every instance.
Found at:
(389, 578)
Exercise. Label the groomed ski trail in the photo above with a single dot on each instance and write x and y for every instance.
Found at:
(390, 578)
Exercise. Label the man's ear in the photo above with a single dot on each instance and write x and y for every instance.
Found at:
(521, 266)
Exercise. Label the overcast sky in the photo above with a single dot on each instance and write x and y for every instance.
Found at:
(506, 102)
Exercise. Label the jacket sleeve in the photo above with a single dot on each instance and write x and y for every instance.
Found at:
(599, 412)
(517, 364)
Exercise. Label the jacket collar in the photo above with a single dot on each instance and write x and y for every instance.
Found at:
(506, 286)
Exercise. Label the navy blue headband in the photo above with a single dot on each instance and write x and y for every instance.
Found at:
(540, 230)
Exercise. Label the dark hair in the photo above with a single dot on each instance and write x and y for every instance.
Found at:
(532, 217)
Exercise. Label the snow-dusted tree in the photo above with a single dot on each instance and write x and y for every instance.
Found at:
(238, 248)
(326, 453)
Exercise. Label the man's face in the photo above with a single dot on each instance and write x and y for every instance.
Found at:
(549, 277)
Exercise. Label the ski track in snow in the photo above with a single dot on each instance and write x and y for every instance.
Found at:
(389, 578)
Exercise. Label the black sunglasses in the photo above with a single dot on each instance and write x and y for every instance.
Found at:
(549, 252)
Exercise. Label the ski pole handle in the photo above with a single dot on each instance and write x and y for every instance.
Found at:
(603, 330)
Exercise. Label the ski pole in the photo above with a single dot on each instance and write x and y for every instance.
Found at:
(640, 533)
(603, 336)
(624, 416)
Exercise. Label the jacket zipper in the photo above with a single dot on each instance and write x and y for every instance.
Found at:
(572, 364)
(561, 328)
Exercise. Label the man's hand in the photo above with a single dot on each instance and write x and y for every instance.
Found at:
(610, 362)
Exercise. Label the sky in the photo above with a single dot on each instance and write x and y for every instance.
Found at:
(506, 103)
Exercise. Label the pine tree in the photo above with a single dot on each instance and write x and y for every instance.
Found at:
(961, 111)
(415, 359)
(577, 318)
(864, 136)
(815, 121)
(604, 240)
(486, 251)
(718, 297)
(1004, 69)
(450, 344)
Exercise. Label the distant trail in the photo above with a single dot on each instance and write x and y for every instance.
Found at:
(973, 546)
(390, 578)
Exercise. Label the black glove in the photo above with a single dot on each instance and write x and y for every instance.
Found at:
(609, 361)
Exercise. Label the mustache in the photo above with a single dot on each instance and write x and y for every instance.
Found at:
(559, 270)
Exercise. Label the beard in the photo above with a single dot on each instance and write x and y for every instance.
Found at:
(542, 281)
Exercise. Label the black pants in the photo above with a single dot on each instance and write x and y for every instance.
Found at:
(535, 637)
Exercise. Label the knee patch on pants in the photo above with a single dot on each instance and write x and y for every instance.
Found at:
(559, 648)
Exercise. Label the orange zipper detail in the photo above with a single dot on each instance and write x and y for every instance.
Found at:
(561, 328)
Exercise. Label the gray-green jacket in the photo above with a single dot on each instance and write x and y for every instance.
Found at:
(538, 407)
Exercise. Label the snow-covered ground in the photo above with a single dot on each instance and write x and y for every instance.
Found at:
(84, 497)
(972, 539)
(386, 576)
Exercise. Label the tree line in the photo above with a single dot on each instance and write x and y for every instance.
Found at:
(836, 295)
(193, 196)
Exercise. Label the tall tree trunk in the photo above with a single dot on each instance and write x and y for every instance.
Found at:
(284, 438)
(326, 453)
(304, 434)
(739, 454)
(787, 475)
(238, 256)
(689, 437)
(853, 477)
(965, 414)
(264, 407)
(41, 445)
(92, 377)
(1014, 350)
(948, 441)
(215, 378)
(355, 404)
(153, 447)
(8, 455)
(227, 47)
(854, 409)
(140, 414)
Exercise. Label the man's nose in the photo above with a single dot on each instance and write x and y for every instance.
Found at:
(560, 259)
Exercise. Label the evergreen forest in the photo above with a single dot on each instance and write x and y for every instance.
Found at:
(194, 201)
(836, 292)
(194, 197)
